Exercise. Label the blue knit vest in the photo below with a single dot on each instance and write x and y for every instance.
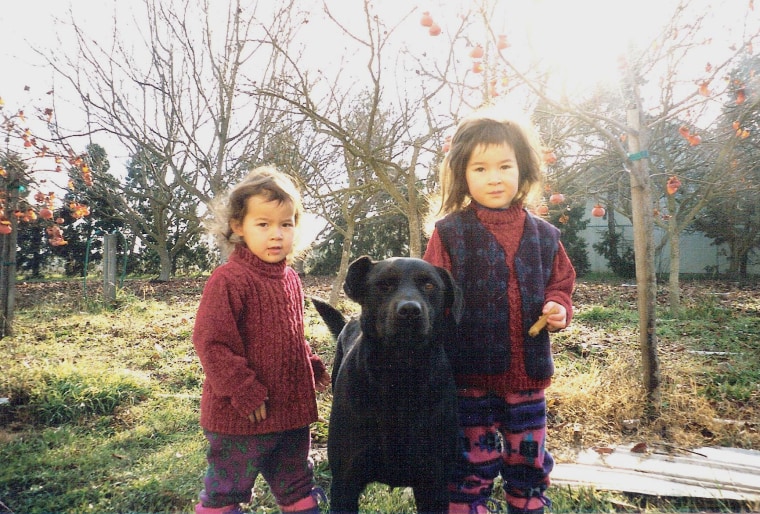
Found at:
(478, 264)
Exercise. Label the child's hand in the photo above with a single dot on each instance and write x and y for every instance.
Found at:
(260, 414)
(558, 319)
(322, 381)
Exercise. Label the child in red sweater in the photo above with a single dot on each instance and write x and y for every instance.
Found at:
(259, 395)
(512, 268)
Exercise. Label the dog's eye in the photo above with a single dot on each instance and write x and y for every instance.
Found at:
(428, 287)
(386, 286)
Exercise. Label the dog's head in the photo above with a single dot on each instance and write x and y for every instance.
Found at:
(403, 300)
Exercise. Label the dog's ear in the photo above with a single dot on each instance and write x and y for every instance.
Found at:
(355, 285)
(453, 301)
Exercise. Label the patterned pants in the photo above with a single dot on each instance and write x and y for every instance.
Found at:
(504, 436)
(234, 462)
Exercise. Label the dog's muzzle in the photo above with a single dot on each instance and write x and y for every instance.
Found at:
(409, 310)
(408, 322)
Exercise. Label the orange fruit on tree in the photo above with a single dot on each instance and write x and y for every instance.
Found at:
(672, 185)
(549, 156)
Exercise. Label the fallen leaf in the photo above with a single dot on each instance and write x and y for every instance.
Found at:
(639, 448)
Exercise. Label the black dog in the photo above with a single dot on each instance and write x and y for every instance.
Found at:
(393, 416)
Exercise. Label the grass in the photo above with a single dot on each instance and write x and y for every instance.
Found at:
(102, 403)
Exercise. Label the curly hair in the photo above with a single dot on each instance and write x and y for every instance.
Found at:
(265, 181)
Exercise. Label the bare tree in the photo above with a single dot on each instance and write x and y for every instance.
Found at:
(685, 178)
(167, 85)
(335, 185)
(395, 142)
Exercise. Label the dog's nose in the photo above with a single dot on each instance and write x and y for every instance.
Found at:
(408, 309)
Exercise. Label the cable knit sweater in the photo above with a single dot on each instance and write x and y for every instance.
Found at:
(507, 227)
(249, 337)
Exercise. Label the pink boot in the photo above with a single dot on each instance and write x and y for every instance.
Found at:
(227, 509)
(306, 505)
(479, 506)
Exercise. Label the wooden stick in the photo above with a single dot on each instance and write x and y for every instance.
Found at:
(541, 322)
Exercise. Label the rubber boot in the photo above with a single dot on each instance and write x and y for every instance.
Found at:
(479, 506)
(306, 505)
(227, 509)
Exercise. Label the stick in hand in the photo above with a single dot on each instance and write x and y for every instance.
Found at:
(541, 322)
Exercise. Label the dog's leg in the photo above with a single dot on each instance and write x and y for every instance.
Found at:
(344, 495)
(429, 499)
(351, 472)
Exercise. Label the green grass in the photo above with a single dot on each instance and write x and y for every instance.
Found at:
(102, 402)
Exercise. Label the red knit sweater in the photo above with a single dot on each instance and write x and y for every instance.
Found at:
(249, 337)
(507, 227)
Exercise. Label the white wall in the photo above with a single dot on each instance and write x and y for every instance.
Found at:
(697, 252)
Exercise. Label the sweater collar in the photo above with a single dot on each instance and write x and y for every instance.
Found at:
(512, 214)
(244, 256)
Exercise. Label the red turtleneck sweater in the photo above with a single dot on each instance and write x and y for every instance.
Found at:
(249, 337)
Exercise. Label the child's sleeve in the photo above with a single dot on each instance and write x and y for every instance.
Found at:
(317, 366)
(221, 348)
(436, 253)
(561, 282)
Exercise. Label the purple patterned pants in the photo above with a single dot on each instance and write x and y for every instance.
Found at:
(234, 462)
(504, 436)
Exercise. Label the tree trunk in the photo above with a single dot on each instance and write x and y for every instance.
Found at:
(413, 215)
(674, 270)
(743, 259)
(7, 282)
(345, 260)
(8, 269)
(643, 240)
(165, 273)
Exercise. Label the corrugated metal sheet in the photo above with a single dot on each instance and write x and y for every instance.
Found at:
(718, 473)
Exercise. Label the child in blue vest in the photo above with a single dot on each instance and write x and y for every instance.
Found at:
(512, 269)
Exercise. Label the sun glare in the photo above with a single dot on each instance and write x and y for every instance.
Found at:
(582, 41)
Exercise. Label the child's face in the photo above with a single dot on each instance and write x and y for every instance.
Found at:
(493, 175)
(268, 228)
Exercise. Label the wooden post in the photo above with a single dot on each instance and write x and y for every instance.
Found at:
(109, 268)
(643, 244)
